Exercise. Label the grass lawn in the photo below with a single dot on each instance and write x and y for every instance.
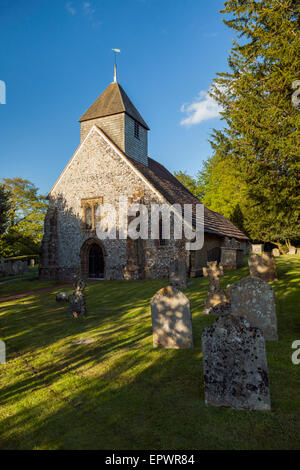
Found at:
(117, 392)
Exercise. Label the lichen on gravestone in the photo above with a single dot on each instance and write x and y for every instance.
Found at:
(254, 299)
(171, 319)
(215, 295)
(235, 365)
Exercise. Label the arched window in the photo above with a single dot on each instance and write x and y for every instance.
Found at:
(97, 217)
(88, 217)
(162, 241)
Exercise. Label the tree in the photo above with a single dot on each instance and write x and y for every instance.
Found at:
(224, 190)
(261, 137)
(25, 218)
(192, 184)
(4, 209)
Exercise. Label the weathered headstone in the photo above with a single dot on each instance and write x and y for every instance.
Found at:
(77, 305)
(262, 266)
(62, 297)
(178, 274)
(32, 262)
(171, 319)
(257, 248)
(2, 352)
(292, 250)
(254, 299)
(223, 308)
(215, 294)
(275, 252)
(231, 254)
(235, 365)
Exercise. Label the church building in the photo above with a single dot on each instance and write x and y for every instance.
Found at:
(111, 161)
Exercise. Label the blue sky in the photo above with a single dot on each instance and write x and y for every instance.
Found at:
(56, 59)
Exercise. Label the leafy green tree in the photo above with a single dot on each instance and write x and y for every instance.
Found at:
(192, 184)
(4, 209)
(261, 137)
(25, 218)
(224, 190)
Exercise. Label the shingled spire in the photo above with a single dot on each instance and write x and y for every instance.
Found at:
(113, 100)
(116, 115)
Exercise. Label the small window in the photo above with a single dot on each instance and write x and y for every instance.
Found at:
(162, 241)
(88, 217)
(136, 130)
(97, 217)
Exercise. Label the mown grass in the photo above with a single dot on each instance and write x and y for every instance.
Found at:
(118, 392)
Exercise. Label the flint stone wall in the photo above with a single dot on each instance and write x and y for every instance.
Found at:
(12, 267)
(178, 274)
(97, 171)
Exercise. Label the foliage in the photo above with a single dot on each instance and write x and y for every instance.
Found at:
(4, 208)
(192, 184)
(25, 218)
(261, 138)
(225, 192)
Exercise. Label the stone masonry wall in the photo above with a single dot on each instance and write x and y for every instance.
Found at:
(98, 171)
(210, 241)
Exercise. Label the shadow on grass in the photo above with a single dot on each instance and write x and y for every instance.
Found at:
(118, 392)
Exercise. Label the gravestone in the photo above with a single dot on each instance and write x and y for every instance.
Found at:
(2, 352)
(235, 365)
(215, 295)
(292, 250)
(254, 299)
(232, 258)
(262, 266)
(171, 319)
(178, 274)
(231, 254)
(31, 262)
(62, 297)
(223, 308)
(257, 248)
(77, 304)
(275, 252)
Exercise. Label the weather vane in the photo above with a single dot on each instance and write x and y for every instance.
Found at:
(115, 68)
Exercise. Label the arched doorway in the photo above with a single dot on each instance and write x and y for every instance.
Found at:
(92, 259)
(96, 262)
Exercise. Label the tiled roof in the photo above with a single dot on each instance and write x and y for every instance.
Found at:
(175, 193)
(113, 100)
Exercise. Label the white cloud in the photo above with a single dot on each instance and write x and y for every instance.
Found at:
(90, 12)
(70, 8)
(87, 8)
(203, 108)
